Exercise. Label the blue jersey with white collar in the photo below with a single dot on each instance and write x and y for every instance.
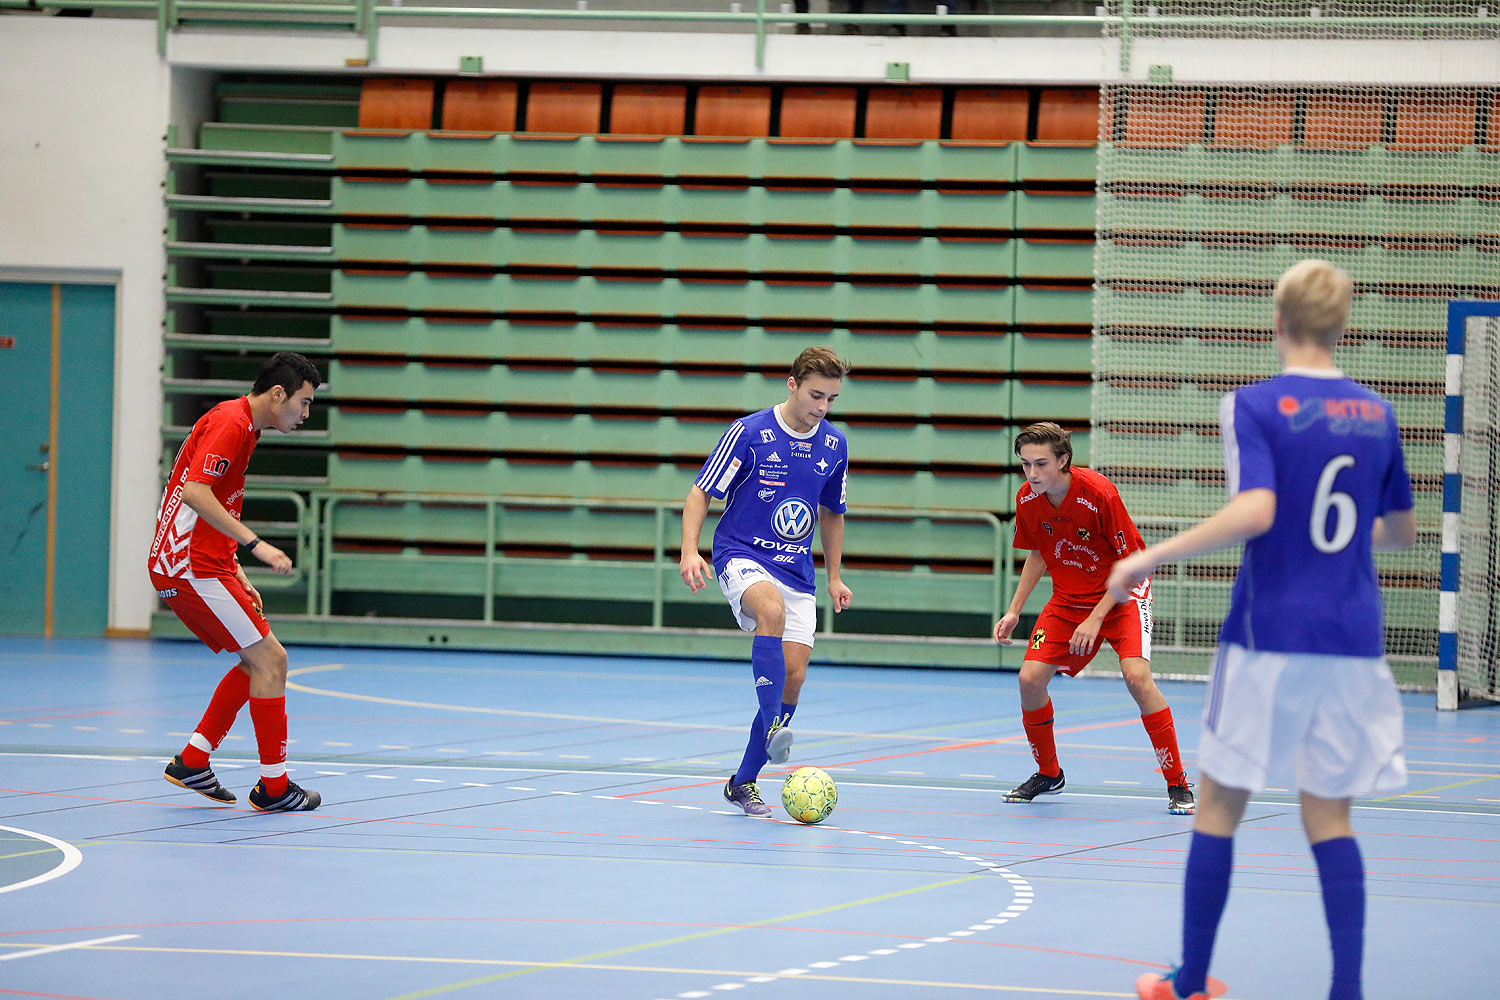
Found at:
(772, 481)
(1330, 449)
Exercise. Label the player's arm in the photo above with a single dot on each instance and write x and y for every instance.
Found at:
(831, 534)
(694, 568)
(1086, 635)
(1031, 575)
(239, 574)
(1247, 516)
(1395, 530)
(200, 497)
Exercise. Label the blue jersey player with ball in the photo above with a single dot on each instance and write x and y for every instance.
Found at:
(782, 472)
(1300, 690)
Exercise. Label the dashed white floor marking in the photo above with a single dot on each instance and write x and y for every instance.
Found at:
(1021, 899)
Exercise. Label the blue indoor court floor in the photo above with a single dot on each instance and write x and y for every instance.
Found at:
(527, 826)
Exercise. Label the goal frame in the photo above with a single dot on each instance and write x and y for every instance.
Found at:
(1459, 313)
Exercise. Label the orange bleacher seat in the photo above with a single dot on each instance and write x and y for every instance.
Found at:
(648, 109)
(396, 103)
(1253, 120)
(1434, 122)
(993, 114)
(1343, 121)
(1160, 118)
(1069, 114)
(480, 105)
(817, 112)
(572, 108)
(733, 111)
(904, 113)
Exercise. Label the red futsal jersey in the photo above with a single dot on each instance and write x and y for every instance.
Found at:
(1080, 539)
(217, 452)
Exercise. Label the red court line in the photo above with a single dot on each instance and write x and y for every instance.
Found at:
(898, 756)
(75, 715)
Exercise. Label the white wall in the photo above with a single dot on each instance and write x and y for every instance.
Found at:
(84, 104)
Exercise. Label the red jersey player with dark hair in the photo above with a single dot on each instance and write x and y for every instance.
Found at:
(196, 571)
(1077, 528)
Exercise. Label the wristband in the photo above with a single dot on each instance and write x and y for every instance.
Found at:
(251, 544)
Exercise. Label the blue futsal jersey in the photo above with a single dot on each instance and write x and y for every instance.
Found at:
(772, 481)
(1331, 450)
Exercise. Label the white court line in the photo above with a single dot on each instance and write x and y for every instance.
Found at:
(649, 723)
(675, 775)
(72, 858)
(63, 947)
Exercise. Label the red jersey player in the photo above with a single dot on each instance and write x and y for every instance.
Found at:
(195, 570)
(1076, 527)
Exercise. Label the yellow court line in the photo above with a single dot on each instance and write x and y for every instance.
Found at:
(27, 854)
(689, 937)
(598, 967)
(1438, 788)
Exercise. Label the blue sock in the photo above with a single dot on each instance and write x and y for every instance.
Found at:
(755, 749)
(755, 752)
(1341, 870)
(1204, 892)
(768, 667)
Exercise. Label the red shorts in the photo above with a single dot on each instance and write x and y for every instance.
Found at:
(217, 609)
(1127, 628)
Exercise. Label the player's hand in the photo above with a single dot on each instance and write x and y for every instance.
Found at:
(256, 601)
(1085, 636)
(1127, 574)
(279, 561)
(1005, 626)
(695, 570)
(841, 595)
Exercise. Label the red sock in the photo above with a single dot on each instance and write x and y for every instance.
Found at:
(1039, 734)
(269, 716)
(229, 697)
(1164, 738)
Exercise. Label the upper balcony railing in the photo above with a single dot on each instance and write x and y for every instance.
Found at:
(1119, 20)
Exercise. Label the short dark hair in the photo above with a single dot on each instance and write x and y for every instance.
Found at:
(819, 361)
(1048, 433)
(288, 370)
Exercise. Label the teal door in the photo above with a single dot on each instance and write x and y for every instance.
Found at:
(57, 347)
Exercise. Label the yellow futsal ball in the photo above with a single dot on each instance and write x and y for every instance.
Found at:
(809, 794)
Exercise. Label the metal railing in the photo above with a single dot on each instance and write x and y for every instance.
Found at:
(366, 17)
(317, 554)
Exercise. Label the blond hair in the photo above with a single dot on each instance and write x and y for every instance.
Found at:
(1047, 433)
(819, 361)
(1312, 299)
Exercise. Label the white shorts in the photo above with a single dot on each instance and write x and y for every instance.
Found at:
(801, 609)
(1327, 725)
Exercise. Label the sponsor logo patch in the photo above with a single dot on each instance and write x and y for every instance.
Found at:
(215, 465)
(793, 520)
(766, 495)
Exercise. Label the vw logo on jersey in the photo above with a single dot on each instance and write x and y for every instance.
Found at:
(793, 520)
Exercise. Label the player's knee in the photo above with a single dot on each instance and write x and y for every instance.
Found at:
(1138, 676)
(1034, 677)
(770, 620)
